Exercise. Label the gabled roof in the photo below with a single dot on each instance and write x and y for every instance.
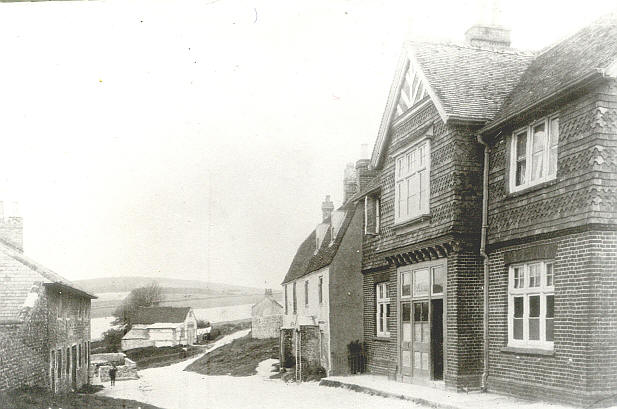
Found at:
(307, 260)
(153, 315)
(19, 274)
(464, 83)
(587, 53)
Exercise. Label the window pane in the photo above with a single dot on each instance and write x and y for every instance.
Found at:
(534, 329)
(387, 316)
(534, 306)
(518, 307)
(438, 279)
(417, 312)
(518, 328)
(538, 148)
(549, 330)
(550, 306)
(406, 312)
(534, 275)
(405, 284)
(521, 168)
(424, 191)
(420, 282)
(425, 311)
(549, 274)
(417, 332)
(519, 277)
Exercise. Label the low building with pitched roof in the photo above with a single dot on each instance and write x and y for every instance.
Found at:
(161, 327)
(44, 321)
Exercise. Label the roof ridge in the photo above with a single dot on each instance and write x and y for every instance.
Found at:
(506, 51)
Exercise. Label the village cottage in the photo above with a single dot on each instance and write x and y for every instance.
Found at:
(322, 291)
(266, 317)
(161, 327)
(44, 320)
(514, 293)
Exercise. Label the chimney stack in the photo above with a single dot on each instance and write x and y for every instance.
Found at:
(326, 208)
(350, 184)
(363, 173)
(269, 291)
(11, 226)
(488, 36)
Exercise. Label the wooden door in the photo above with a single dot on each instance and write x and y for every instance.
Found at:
(406, 341)
(421, 345)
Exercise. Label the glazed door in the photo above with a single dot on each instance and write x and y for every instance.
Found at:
(406, 341)
(421, 345)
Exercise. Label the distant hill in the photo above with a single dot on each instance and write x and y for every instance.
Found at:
(125, 284)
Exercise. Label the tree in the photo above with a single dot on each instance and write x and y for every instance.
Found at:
(139, 297)
(112, 339)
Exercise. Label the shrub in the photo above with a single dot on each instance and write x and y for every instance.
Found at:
(112, 339)
(203, 324)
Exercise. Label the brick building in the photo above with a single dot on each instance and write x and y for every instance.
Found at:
(322, 290)
(44, 321)
(493, 212)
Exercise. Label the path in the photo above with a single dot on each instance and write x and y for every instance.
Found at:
(171, 387)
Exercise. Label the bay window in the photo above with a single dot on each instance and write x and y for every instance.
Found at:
(531, 305)
(533, 157)
(412, 183)
(383, 309)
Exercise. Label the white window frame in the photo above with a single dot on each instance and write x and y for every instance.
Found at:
(528, 131)
(407, 166)
(381, 330)
(543, 290)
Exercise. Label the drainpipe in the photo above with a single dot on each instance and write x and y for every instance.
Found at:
(485, 256)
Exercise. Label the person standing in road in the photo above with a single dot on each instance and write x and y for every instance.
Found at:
(112, 374)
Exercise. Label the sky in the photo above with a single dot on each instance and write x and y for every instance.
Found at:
(196, 139)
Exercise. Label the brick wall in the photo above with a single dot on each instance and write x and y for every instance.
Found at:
(583, 369)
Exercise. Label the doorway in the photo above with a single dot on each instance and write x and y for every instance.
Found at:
(437, 339)
(74, 367)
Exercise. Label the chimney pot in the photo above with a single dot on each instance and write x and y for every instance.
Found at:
(327, 207)
(11, 226)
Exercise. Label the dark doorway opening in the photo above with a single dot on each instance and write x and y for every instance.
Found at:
(437, 339)
(74, 367)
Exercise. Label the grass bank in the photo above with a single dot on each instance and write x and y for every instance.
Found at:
(35, 398)
(239, 358)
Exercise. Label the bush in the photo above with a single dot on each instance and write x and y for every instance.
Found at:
(203, 324)
(112, 339)
(214, 334)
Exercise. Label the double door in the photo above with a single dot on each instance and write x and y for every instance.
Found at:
(421, 324)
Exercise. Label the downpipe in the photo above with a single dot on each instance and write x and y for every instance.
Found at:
(484, 381)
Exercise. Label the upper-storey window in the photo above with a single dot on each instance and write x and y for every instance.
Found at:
(534, 154)
(372, 214)
(412, 91)
(412, 183)
(531, 305)
(286, 300)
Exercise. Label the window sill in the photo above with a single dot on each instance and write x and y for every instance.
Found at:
(528, 351)
(412, 222)
(531, 188)
(382, 338)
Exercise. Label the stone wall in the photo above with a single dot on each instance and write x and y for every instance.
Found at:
(267, 326)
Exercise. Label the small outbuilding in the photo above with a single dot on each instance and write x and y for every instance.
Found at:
(161, 327)
(266, 317)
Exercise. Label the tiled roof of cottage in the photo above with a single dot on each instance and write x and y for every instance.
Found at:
(587, 52)
(153, 315)
(18, 274)
(471, 83)
(306, 260)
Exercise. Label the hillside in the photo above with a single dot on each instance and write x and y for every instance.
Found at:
(126, 284)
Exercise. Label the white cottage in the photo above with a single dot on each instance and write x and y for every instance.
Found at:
(161, 327)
